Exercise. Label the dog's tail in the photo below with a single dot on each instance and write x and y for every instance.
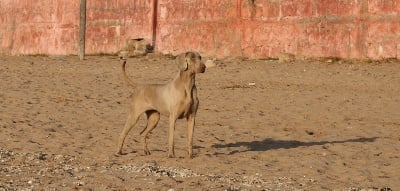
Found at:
(126, 78)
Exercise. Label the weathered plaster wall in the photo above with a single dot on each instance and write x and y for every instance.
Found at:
(38, 27)
(253, 28)
(266, 28)
(51, 26)
(111, 22)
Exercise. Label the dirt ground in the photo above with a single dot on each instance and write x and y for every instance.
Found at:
(323, 124)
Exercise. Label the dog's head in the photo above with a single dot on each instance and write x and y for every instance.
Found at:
(191, 62)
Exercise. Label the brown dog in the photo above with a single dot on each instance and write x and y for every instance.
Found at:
(176, 99)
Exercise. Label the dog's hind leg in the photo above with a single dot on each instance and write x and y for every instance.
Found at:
(152, 120)
(130, 123)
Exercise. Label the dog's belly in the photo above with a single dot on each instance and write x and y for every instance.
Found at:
(182, 111)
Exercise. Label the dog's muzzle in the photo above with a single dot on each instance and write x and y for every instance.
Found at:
(201, 68)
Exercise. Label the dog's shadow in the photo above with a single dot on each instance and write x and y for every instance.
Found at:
(271, 144)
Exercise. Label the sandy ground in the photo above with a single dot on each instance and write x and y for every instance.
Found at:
(262, 125)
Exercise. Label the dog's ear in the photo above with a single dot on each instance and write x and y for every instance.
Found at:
(182, 61)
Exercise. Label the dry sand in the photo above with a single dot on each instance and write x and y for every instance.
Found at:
(261, 125)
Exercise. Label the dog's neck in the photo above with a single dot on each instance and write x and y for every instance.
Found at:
(190, 79)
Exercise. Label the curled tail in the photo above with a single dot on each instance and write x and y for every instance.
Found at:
(126, 78)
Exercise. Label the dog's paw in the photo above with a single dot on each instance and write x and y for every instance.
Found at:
(118, 153)
(146, 152)
(171, 155)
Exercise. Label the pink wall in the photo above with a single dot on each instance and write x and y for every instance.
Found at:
(252, 28)
(52, 26)
(111, 22)
(30, 27)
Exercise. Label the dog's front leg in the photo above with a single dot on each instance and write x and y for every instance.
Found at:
(172, 120)
(190, 129)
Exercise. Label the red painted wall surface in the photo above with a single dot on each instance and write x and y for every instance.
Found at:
(252, 28)
(38, 27)
(52, 26)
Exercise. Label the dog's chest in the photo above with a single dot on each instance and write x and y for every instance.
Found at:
(186, 105)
